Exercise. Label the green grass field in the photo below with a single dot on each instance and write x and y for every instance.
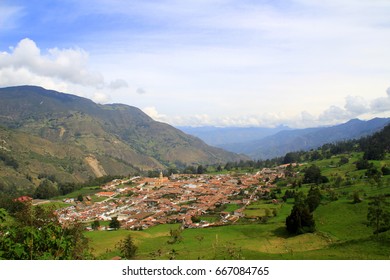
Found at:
(341, 228)
(341, 234)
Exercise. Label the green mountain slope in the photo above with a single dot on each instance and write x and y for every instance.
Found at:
(75, 138)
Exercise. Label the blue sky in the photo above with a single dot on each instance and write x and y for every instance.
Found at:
(217, 62)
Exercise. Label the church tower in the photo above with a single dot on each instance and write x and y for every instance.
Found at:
(160, 179)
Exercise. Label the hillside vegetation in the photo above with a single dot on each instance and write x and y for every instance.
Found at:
(73, 139)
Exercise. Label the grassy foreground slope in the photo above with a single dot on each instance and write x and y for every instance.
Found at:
(341, 227)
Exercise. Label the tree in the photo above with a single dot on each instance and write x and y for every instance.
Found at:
(175, 235)
(300, 220)
(195, 219)
(374, 152)
(313, 175)
(127, 247)
(65, 188)
(313, 199)
(362, 164)
(114, 223)
(338, 181)
(200, 169)
(343, 160)
(46, 189)
(291, 157)
(385, 170)
(35, 233)
(229, 166)
(378, 214)
(356, 197)
(316, 156)
(95, 225)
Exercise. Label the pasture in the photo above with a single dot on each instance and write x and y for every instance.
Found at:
(341, 227)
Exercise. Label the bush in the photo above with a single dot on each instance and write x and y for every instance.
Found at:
(8, 160)
(343, 160)
(385, 170)
(362, 164)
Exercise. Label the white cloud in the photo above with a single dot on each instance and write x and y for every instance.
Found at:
(101, 98)
(380, 105)
(356, 105)
(65, 70)
(68, 65)
(9, 76)
(152, 112)
(117, 84)
(333, 114)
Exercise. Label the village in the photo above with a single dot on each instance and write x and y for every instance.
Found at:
(140, 202)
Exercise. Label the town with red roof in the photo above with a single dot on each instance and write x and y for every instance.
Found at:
(140, 203)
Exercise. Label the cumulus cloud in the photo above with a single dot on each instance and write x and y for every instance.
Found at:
(333, 113)
(10, 76)
(356, 105)
(380, 105)
(101, 98)
(117, 84)
(57, 66)
(154, 114)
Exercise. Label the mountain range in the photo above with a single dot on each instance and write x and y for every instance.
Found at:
(275, 142)
(50, 132)
(221, 136)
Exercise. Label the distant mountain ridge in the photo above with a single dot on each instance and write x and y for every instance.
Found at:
(285, 141)
(77, 138)
(220, 136)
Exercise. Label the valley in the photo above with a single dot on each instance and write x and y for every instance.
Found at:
(239, 214)
(104, 174)
(253, 227)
